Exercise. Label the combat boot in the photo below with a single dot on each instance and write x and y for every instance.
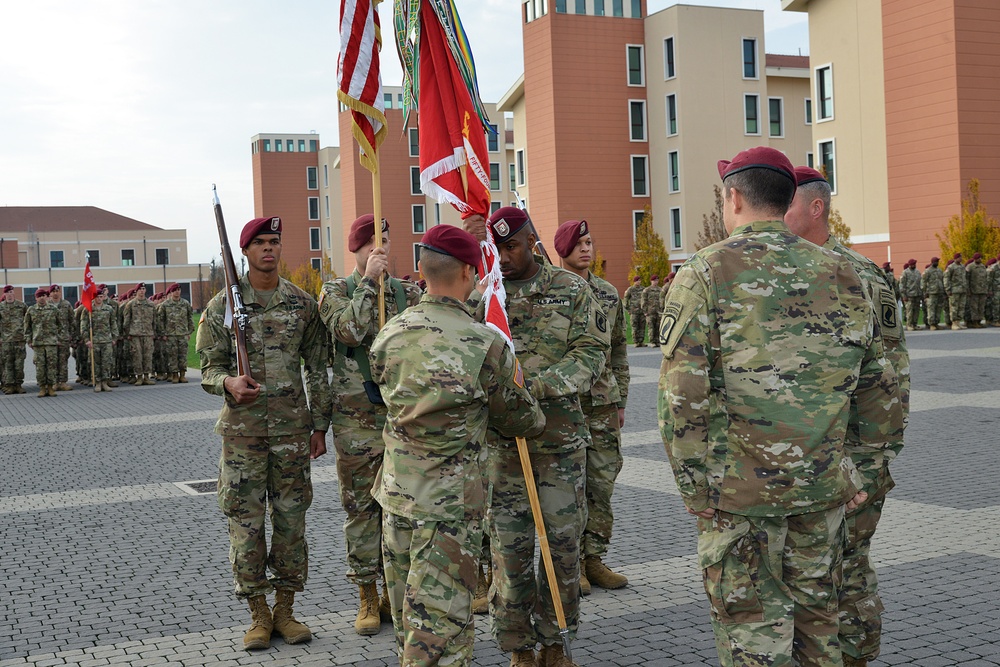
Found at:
(111, 383)
(97, 386)
(601, 575)
(954, 326)
(584, 582)
(43, 391)
(105, 385)
(18, 389)
(261, 624)
(182, 379)
(481, 598)
(52, 390)
(62, 386)
(524, 658)
(368, 622)
(174, 378)
(135, 380)
(855, 662)
(291, 630)
(7, 389)
(553, 656)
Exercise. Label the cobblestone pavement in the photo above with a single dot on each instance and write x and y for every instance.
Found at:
(106, 560)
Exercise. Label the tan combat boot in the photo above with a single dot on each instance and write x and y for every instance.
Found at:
(97, 386)
(523, 659)
(62, 386)
(584, 582)
(601, 575)
(368, 622)
(553, 656)
(43, 391)
(481, 598)
(174, 378)
(52, 390)
(183, 379)
(148, 379)
(112, 383)
(854, 662)
(291, 630)
(18, 389)
(261, 624)
(105, 385)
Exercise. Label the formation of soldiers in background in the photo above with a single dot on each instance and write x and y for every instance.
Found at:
(130, 339)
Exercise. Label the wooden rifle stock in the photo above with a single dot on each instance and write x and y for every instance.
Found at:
(234, 298)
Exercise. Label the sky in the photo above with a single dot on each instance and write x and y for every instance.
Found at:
(139, 107)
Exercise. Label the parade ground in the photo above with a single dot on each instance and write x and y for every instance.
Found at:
(109, 557)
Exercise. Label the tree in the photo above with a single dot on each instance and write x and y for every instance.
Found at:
(306, 277)
(598, 266)
(650, 256)
(971, 232)
(839, 229)
(713, 227)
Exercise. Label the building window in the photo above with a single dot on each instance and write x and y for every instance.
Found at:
(312, 178)
(495, 176)
(313, 145)
(640, 176)
(828, 163)
(387, 100)
(824, 92)
(415, 181)
(326, 206)
(513, 176)
(162, 256)
(128, 257)
(675, 229)
(669, 69)
(810, 161)
(291, 145)
(521, 167)
(637, 218)
(314, 238)
(775, 108)
(560, 6)
(56, 259)
(93, 257)
(279, 146)
(302, 145)
(598, 7)
(809, 111)
(267, 145)
(314, 208)
(618, 7)
(326, 176)
(750, 59)
(417, 216)
(751, 105)
(674, 171)
(636, 76)
(637, 120)
(416, 256)
(637, 9)
(671, 114)
(437, 214)
(414, 142)
(495, 206)
(581, 6)
(317, 263)
(493, 139)
(328, 242)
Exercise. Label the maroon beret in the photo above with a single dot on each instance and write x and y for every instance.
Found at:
(568, 234)
(912, 261)
(935, 259)
(259, 226)
(450, 240)
(969, 261)
(41, 291)
(8, 288)
(760, 157)
(53, 288)
(636, 279)
(362, 230)
(77, 304)
(654, 277)
(507, 221)
(978, 255)
(138, 287)
(886, 265)
(173, 288)
(101, 287)
(993, 260)
(805, 175)
(670, 276)
(957, 255)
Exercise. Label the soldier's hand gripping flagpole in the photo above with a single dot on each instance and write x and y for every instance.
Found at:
(235, 309)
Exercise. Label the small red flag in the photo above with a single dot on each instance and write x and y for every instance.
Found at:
(89, 289)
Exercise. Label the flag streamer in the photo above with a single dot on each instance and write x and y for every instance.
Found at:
(359, 81)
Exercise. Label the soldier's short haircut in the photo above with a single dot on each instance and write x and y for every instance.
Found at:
(437, 267)
(764, 190)
(818, 190)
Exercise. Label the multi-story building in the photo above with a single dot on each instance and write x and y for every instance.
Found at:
(45, 245)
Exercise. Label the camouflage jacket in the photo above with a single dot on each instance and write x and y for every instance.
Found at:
(979, 282)
(139, 318)
(353, 322)
(444, 377)
(632, 299)
(12, 321)
(104, 322)
(663, 295)
(993, 274)
(956, 280)
(281, 335)
(67, 332)
(909, 284)
(175, 317)
(932, 281)
(755, 403)
(652, 299)
(43, 325)
(612, 386)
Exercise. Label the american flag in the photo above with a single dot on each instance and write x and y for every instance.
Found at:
(359, 81)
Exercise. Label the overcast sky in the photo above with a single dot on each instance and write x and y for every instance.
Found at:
(139, 107)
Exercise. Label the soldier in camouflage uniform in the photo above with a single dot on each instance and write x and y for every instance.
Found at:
(632, 300)
(139, 322)
(956, 284)
(561, 336)
(81, 353)
(270, 429)
(176, 322)
(932, 286)
(43, 331)
(891, 278)
(909, 287)
(759, 330)
(604, 408)
(663, 291)
(349, 308)
(159, 339)
(860, 605)
(67, 334)
(993, 298)
(99, 328)
(124, 353)
(445, 378)
(651, 307)
(979, 287)
(12, 312)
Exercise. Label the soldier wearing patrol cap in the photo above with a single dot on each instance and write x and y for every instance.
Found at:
(561, 337)
(604, 408)
(271, 426)
(444, 378)
(12, 312)
(759, 330)
(632, 300)
(349, 308)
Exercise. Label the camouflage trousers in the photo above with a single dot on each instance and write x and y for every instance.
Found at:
(957, 302)
(81, 353)
(604, 462)
(977, 308)
(773, 585)
(933, 309)
(521, 610)
(912, 311)
(13, 363)
(175, 350)
(104, 362)
(946, 309)
(359, 457)
(253, 473)
(123, 353)
(431, 571)
(638, 326)
(142, 354)
(653, 323)
(860, 605)
(46, 364)
(991, 308)
(62, 369)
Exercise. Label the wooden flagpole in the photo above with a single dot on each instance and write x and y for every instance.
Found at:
(377, 226)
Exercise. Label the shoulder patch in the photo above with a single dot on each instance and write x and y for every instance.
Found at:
(887, 310)
(602, 322)
(518, 374)
(675, 318)
(201, 320)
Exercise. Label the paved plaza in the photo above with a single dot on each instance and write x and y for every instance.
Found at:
(107, 559)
